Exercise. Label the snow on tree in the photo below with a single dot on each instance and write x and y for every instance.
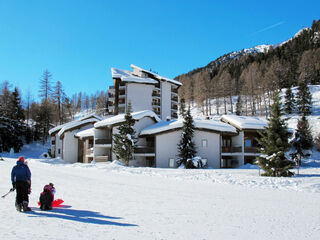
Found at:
(274, 143)
(186, 146)
(12, 125)
(124, 141)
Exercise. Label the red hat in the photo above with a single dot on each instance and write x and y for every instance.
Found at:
(21, 159)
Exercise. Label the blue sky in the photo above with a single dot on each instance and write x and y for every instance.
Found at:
(78, 41)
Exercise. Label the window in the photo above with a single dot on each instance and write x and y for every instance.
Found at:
(204, 143)
(171, 162)
(58, 150)
(248, 143)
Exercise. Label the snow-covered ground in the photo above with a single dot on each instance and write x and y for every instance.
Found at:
(110, 201)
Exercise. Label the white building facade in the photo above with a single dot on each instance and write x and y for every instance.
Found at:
(145, 90)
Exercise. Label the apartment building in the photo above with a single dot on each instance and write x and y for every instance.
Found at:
(145, 90)
(242, 148)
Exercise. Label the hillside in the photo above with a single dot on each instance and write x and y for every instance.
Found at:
(255, 72)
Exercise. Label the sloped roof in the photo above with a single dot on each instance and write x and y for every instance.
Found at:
(120, 118)
(156, 75)
(75, 124)
(57, 128)
(85, 133)
(126, 76)
(245, 122)
(92, 115)
(212, 125)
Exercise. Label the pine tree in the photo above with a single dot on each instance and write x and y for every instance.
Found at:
(289, 103)
(16, 114)
(186, 146)
(124, 141)
(304, 99)
(303, 139)
(12, 127)
(274, 143)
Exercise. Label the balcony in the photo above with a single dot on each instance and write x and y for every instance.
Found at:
(144, 150)
(174, 90)
(101, 158)
(89, 152)
(103, 141)
(174, 98)
(155, 94)
(155, 103)
(251, 150)
(174, 115)
(231, 149)
(174, 107)
(156, 110)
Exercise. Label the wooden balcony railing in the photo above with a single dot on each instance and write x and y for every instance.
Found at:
(231, 149)
(144, 149)
(239, 149)
(103, 141)
(251, 150)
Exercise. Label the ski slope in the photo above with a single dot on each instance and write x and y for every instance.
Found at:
(110, 201)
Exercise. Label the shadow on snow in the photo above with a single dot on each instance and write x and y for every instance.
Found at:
(84, 216)
(307, 175)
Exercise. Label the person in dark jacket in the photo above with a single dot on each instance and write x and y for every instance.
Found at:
(21, 181)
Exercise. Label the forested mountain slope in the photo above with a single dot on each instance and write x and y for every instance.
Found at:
(252, 75)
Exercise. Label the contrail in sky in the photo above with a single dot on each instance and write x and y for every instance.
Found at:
(269, 27)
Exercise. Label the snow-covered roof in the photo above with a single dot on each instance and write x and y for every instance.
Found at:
(127, 76)
(120, 118)
(57, 128)
(156, 75)
(92, 115)
(85, 133)
(66, 125)
(245, 122)
(164, 126)
(75, 124)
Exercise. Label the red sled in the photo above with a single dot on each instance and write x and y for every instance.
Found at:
(55, 203)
